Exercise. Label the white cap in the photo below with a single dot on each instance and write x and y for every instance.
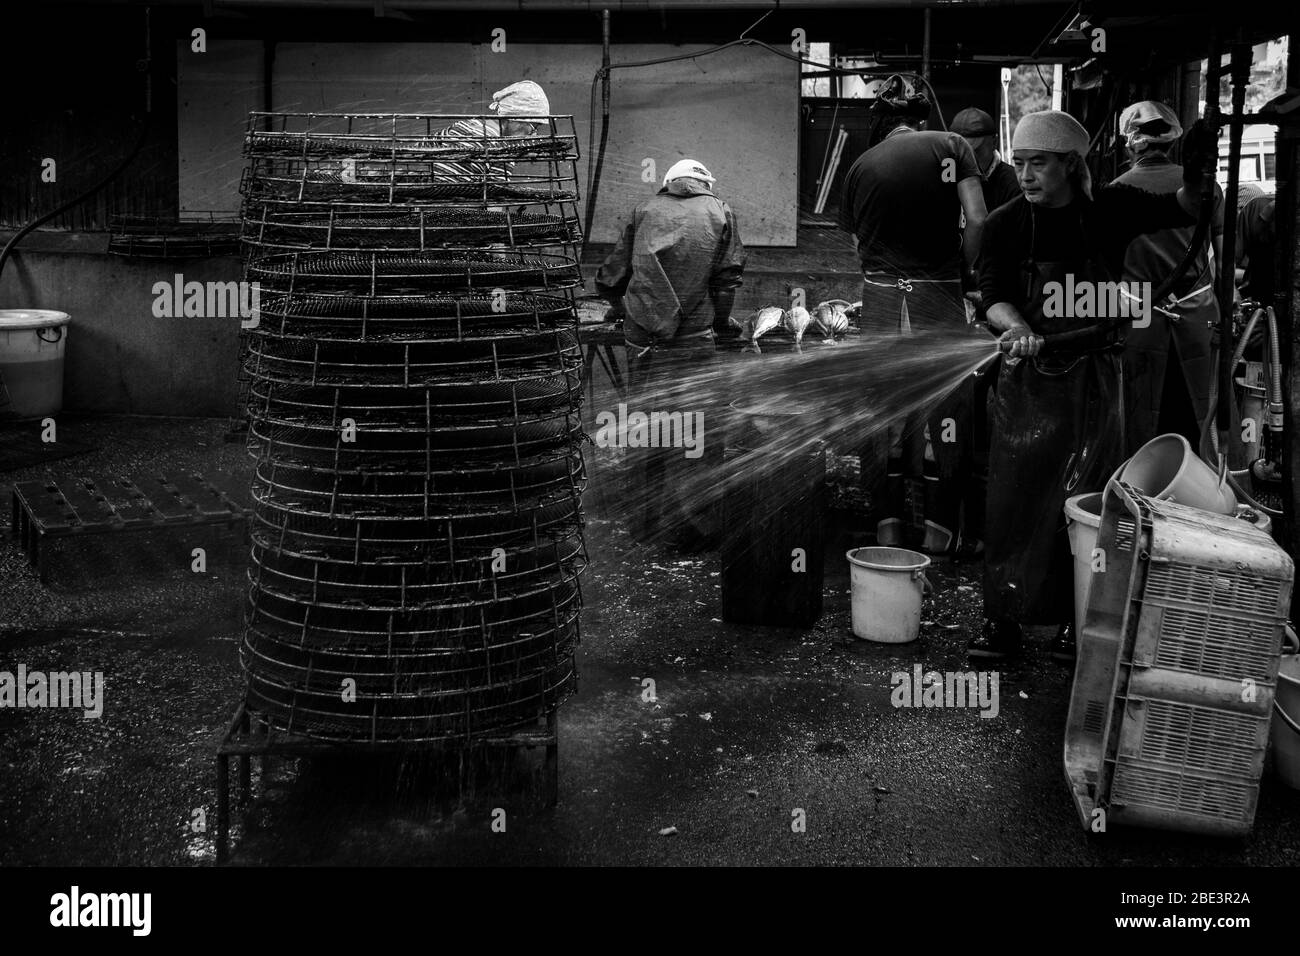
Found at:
(688, 169)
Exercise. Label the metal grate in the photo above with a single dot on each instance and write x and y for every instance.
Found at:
(413, 391)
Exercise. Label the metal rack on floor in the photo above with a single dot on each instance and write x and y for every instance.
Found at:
(249, 736)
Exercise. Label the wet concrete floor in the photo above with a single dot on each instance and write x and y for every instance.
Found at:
(747, 727)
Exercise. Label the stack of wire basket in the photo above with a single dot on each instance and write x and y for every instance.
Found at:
(1178, 662)
(413, 392)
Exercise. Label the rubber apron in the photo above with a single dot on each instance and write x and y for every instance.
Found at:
(1056, 426)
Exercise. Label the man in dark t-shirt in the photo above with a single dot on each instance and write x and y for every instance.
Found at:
(902, 200)
(999, 177)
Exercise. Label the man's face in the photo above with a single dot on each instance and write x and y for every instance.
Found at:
(983, 148)
(1044, 177)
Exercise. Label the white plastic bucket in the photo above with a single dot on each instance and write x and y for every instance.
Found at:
(1286, 721)
(886, 588)
(1168, 469)
(31, 361)
(1084, 515)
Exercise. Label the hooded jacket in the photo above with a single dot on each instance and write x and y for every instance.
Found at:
(679, 247)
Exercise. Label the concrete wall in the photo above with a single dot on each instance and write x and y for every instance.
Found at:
(736, 111)
(119, 357)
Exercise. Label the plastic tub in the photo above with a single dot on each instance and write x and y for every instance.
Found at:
(1168, 469)
(31, 361)
(1286, 716)
(1083, 513)
(886, 586)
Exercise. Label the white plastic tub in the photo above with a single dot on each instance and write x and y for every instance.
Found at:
(1084, 515)
(31, 361)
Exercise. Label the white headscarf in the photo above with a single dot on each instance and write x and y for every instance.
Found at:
(524, 98)
(1142, 113)
(1055, 131)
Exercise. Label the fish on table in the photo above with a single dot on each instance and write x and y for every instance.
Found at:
(831, 317)
(796, 323)
(759, 324)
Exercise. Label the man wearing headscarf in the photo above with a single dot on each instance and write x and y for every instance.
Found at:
(902, 200)
(673, 276)
(1167, 363)
(1057, 420)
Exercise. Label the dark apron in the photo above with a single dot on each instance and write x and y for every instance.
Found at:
(1057, 430)
(1170, 363)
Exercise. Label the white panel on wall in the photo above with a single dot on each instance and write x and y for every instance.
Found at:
(378, 78)
(216, 91)
(736, 111)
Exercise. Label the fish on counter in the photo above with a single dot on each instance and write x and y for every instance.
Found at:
(831, 317)
(759, 324)
(796, 323)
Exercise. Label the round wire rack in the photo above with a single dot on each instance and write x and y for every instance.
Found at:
(413, 388)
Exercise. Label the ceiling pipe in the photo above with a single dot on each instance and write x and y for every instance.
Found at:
(581, 6)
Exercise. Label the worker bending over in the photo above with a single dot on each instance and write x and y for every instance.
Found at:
(672, 277)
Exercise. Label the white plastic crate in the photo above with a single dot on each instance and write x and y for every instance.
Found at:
(1177, 668)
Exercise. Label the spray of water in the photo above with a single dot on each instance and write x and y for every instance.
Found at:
(776, 408)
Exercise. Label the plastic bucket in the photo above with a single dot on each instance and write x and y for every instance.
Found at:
(31, 361)
(1083, 513)
(1167, 468)
(1286, 721)
(886, 587)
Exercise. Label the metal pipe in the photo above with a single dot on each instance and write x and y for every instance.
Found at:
(925, 45)
(596, 158)
(1229, 438)
(591, 6)
(604, 64)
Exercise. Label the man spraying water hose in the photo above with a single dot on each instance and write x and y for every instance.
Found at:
(902, 200)
(1057, 419)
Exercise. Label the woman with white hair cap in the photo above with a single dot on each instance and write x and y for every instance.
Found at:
(521, 110)
(1056, 422)
(1167, 362)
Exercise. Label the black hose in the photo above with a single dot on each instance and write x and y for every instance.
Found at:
(7, 251)
(594, 172)
(64, 207)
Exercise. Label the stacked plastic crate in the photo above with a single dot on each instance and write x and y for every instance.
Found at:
(413, 393)
(1178, 662)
